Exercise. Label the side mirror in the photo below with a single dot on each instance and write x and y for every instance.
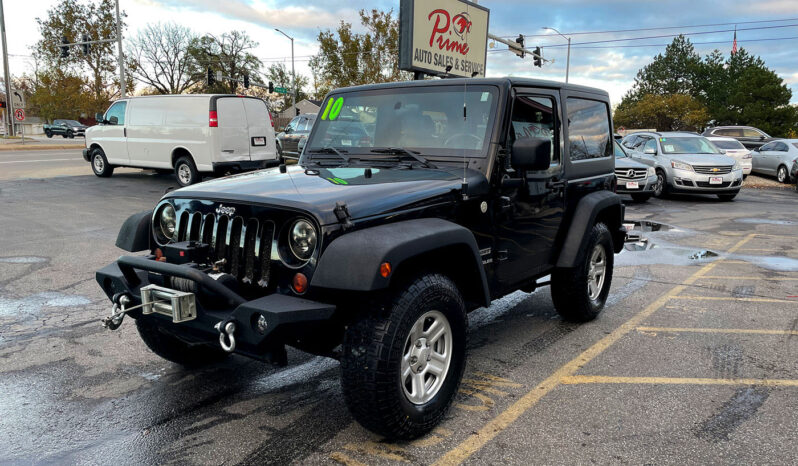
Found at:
(287, 130)
(650, 151)
(99, 117)
(113, 120)
(761, 138)
(531, 154)
(722, 151)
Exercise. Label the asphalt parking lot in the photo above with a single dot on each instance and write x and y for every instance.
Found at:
(692, 361)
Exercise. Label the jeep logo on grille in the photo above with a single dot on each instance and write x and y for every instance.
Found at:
(222, 210)
(630, 173)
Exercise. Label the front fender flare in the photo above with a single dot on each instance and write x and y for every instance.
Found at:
(135, 233)
(604, 204)
(352, 261)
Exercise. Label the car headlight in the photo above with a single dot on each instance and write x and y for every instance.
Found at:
(748, 155)
(166, 223)
(302, 239)
(681, 166)
(651, 171)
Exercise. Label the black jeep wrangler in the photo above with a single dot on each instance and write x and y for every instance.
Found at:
(412, 204)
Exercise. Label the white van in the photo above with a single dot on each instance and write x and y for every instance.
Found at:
(190, 134)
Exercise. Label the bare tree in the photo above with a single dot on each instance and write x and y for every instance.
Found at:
(229, 53)
(159, 57)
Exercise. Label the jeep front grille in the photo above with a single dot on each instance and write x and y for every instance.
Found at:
(244, 244)
(706, 170)
(624, 173)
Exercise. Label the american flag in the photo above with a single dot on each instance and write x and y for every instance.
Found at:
(734, 45)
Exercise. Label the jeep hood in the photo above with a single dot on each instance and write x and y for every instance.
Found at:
(318, 190)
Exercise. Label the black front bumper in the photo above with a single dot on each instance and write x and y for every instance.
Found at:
(286, 316)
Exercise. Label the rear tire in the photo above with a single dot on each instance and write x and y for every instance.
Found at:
(783, 175)
(727, 197)
(661, 189)
(100, 165)
(186, 172)
(384, 353)
(175, 350)
(579, 293)
(48, 134)
(641, 197)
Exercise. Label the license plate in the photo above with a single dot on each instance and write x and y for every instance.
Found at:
(346, 142)
(258, 141)
(715, 180)
(632, 185)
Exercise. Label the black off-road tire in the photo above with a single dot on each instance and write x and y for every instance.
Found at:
(49, 134)
(175, 350)
(727, 197)
(639, 197)
(373, 350)
(64, 136)
(100, 168)
(191, 174)
(569, 286)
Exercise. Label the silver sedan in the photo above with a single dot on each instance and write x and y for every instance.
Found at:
(775, 159)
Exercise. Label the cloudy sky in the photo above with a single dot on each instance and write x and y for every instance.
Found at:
(608, 65)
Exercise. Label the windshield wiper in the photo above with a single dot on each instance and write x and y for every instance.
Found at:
(331, 150)
(405, 152)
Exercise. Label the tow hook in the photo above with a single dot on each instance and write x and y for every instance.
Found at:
(227, 338)
(118, 311)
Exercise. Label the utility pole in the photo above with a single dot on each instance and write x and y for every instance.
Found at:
(7, 76)
(122, 82)
(568, 59)
(293, 73)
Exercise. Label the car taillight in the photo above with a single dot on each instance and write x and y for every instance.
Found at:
(213, 121)
(271, 120)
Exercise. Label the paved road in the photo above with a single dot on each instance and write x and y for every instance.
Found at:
(692, 361)
(22, 164)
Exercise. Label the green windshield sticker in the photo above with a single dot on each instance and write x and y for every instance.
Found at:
(333, 108)
(662, 139)
(337, 181)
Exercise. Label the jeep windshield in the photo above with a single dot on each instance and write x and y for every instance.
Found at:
(386, 123)
(696, 145)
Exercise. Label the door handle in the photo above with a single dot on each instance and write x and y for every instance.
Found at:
(124, 132)
(555, 184)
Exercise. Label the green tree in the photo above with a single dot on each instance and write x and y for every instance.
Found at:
(229, 53)
(672, 112)
(160, 59)
(280, 76)
(57, 93)
(347, 58)
(673, 72)
(72, 19)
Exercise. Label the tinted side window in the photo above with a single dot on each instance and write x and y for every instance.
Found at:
(292, 124)
(751, 133)
(589, 134)
(535, 117)
(735, 133)
(781, 147)
(117, 110)
(630, 141)
(766, 147)
(650, 144)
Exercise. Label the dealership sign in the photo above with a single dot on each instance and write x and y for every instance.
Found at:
(440, 34)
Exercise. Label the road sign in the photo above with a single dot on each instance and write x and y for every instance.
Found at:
(17, 98)
(19, 114)
(281, 90)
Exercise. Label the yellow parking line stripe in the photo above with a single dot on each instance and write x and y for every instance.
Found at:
(732, 298)
(346, 460)
(759, 249)
(753, 331)
(504, 419)
(743, 277)
(587, 379)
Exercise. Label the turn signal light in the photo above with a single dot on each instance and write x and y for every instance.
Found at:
(385, 269)
(300, 283)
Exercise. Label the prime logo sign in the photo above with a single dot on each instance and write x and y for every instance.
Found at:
(440, 35)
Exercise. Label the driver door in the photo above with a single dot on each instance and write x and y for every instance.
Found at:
(529, 215)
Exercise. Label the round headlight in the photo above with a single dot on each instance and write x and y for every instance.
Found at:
(167, 222)
(302, 239)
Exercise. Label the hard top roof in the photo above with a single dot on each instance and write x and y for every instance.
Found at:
(506, 81)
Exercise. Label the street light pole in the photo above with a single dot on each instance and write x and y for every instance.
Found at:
(293, 73)
(9, 112)
(568, 59)
(122, 83)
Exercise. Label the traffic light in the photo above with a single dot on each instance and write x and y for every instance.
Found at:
(86, 47)
(64, 47)
(246, 81)
(538, 59)
(211, 79)
(271, 87)
(520, 41)
(2, 104)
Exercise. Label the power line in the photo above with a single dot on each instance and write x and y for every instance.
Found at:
(739, 41)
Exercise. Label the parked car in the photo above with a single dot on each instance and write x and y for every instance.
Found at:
(686, 163)
(735, 149)
(749, 136)
(295, 131)
(634, 178)
(374, 254)
(66, 128)
(190, 134)
(776, 159)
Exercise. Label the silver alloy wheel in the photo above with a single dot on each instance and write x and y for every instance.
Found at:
(660, 184)
(596, 272)
(782, 174)
(99, 164)
(184, 173)
(426, 357)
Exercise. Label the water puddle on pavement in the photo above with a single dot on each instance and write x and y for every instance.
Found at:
(32, 305)
(23, 260)
(644, 247)
(761, 221)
